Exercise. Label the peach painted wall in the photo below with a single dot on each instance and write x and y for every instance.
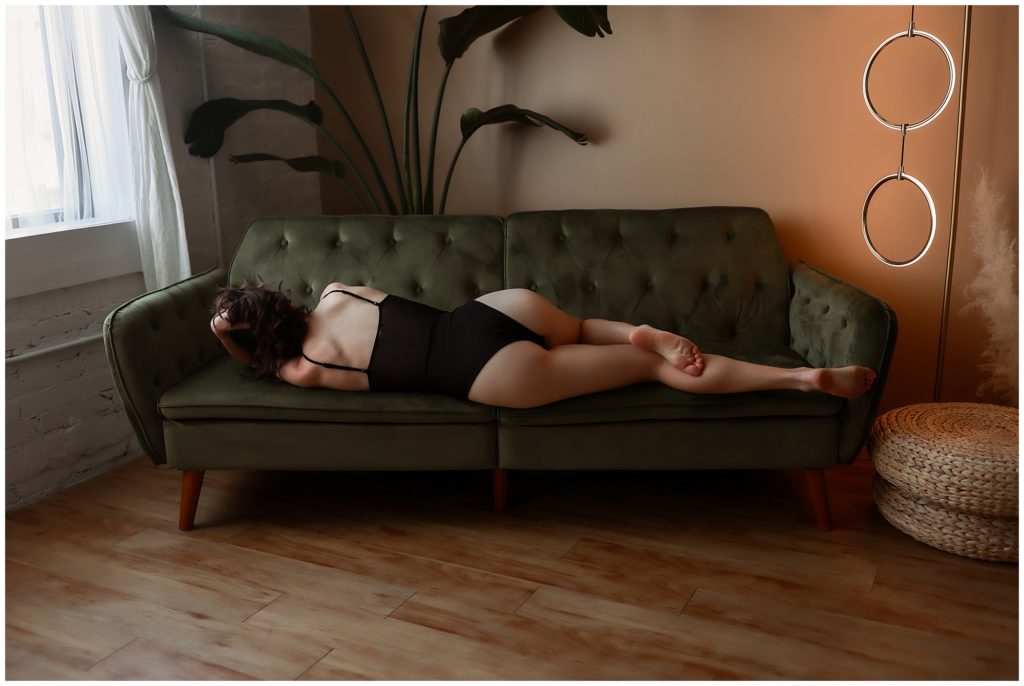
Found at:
(714, 105)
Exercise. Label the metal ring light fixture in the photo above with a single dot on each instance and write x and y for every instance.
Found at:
(903, 128)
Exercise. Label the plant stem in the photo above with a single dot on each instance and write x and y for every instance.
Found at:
(348, 162)
(405, 145)
(448, 178)
(380, 107)
(428, 193)
(416, 192)
(362, 144)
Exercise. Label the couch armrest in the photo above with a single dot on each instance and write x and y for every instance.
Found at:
(155, 340)
(834, 324)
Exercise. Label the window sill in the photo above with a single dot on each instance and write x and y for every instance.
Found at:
(58, 256)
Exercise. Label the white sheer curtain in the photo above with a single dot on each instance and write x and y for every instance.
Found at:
(66, 157)
(158, 216)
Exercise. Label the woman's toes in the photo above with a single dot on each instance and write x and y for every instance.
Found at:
(694, 370)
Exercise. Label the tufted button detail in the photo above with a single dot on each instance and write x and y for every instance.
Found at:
(649, 285)
(561, 238)
(448, 239)
(418, 289)
(309, 289)
(284, 242)
(729, 236)
(391, 240)
(591, 287)
(533, 286)
(843, 323)
(337, 244)
(825, 311)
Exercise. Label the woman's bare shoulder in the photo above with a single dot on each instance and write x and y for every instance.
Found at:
(296, 373)
(300, 372)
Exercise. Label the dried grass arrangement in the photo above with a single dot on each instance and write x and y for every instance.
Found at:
(993, 291)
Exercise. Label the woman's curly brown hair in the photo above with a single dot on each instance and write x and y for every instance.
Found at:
(278, 326)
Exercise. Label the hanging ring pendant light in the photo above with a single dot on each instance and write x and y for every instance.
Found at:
(903, 128)
(949, 91)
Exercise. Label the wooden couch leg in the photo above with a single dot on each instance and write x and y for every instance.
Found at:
(191, 484)
(818, 495)
(500, 489)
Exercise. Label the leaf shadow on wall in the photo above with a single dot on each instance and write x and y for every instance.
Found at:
(510, 46)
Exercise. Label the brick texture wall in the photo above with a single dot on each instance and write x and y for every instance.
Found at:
(65, 422)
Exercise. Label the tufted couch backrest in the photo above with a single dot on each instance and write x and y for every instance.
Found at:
(715, 274)
(443, 261)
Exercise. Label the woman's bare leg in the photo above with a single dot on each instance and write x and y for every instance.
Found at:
(540, 315)
(523, 374)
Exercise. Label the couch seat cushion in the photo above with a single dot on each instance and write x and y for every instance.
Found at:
(655, 401)
(224, 389)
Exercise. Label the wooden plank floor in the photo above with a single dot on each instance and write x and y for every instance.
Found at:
(597, 575)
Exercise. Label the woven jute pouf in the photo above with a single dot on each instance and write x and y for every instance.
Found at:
(947, 475)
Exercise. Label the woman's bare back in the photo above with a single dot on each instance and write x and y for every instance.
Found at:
(342, 331)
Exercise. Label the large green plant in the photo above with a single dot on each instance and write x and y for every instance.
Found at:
(205, 133)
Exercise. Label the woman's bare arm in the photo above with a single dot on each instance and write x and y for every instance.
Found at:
(221, 327)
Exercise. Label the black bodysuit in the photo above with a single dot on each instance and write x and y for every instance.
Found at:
(423, 348)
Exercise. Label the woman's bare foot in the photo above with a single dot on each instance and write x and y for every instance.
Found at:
(680, 352)
(846, 382)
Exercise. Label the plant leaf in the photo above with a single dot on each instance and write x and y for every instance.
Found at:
(310, 163)
(209, 121)
(458, 33)
(473, 118)
(253, 42)
(587, 20)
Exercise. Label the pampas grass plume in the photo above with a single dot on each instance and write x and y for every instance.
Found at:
(993, 291)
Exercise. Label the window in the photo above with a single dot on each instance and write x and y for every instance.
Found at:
(66, 144)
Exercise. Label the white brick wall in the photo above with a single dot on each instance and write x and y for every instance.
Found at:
(65, 422)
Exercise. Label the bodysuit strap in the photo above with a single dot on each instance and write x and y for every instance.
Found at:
(337, 366)
(354, 295)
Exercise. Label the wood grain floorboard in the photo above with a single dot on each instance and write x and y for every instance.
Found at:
(471, 586)
(649, 589)
(271, 571)
(587, 575)
(70, 607)
(570, 607)
(608, 649)
(367, 646)
(41, 654)
(144, 660)
(898, 650)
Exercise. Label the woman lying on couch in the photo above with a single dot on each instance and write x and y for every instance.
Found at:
(510, 348)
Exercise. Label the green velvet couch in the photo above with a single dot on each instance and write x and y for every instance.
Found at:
(715, 274)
